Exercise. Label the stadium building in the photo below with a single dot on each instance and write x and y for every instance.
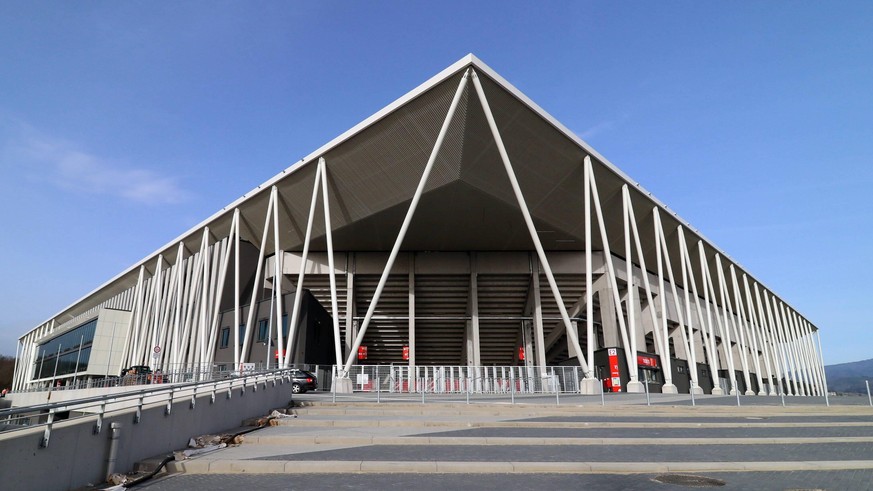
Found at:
(460, 230)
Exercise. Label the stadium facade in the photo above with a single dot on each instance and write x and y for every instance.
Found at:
(461, 226)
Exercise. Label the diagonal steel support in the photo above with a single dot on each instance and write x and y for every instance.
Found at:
(574, 339)
(403, 228)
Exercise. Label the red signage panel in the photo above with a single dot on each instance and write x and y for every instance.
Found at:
(614, 371)
(521, 353)
(646, 361)
(362, 352)
(406, 352)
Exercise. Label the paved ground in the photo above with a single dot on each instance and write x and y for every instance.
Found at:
(403, 445)
(762, 481)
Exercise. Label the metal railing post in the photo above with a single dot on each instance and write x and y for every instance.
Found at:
(378, 387)
(512, 382)
(602, 397)
(648, 401)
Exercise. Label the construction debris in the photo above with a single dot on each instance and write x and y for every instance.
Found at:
(271, 419)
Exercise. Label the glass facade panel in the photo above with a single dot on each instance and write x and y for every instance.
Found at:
(263, 330)
(225, 338)
(64, 352)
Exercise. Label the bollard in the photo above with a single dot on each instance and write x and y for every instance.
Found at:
(738, 396)
(783, 398)
(422, 387)
(692, 397)
(378, 387)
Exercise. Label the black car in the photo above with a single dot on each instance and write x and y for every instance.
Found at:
(302, 381)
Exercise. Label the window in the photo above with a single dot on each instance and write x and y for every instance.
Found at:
(285, 326)
(67, 353)
(263, 330)
(225, 338)
(242, 334)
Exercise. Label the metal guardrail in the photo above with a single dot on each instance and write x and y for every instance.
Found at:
(19, 418)
(178, 374)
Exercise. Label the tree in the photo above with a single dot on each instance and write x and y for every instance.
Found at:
(7, 368)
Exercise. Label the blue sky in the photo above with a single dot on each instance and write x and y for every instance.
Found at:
(123, 124)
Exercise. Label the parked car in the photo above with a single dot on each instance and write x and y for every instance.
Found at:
(302, 381)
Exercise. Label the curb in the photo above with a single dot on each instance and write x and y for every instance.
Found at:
(498, 467)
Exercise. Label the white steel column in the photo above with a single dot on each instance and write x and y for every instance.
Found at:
(816, 358)
(644, 273)
(298, 293)
(773, 315)
(258, 288)
(792, 349)
(732, 321)
(137, 308)
(403, 228)
(801, 349)
(537, 316)
(591, 386)
(724, 330)
(411, 306)
(824, 374)
(278, 275)
(810, 350)
(351, 309)
(630, 358)
(589, 288)
(330, 263)
(707, 337)
(634, 386)
(236, 313)
(791, 375)
(757, 320)
(182, 264)
(692, 355)
(771, 343)
(474, 316)
(743, 327)
(684, 318)
(669, 387)
(713, 353)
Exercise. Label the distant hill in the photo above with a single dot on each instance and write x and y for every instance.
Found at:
(849, 377)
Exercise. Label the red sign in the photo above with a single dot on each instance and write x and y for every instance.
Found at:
(614, 372)
(278, 354)
(362, 352)
(406, 352)
(646, 361)
(521, 353)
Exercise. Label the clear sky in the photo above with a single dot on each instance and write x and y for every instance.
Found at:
(124, 124)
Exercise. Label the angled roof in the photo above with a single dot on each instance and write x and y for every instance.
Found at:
(374, 167)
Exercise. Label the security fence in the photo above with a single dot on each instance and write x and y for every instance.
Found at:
(464, 379)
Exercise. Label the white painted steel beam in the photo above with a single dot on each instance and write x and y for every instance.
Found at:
(298, 293)
(406, 221)
(630, 358)
(519, 197)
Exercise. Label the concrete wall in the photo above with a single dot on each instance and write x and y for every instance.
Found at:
(76, 457)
